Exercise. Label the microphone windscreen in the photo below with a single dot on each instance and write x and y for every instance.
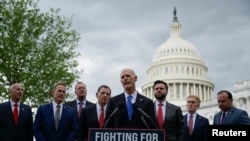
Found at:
(135, 106)
(120, 105)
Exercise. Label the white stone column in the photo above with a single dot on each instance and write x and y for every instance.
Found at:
(194, 90)
(181, 91)
(204, 92)
(199, 91)
(174, 87)
(187, 89)
(151, 92)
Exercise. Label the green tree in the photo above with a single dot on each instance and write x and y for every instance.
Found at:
(36, 49)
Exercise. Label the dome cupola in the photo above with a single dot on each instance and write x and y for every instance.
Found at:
(178, 63)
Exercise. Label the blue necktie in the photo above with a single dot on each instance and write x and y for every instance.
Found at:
(129, 107)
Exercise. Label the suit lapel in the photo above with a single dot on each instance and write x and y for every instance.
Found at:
(51, 112)
(228, 116)
(8, 108)
(186, 123)
(139, 99)
(63, 116)
(167, 111)
(185, 120)
(74, 104)
(22, 112)
(123, 98)
(196, 122)
(95, 115)
(219, 118)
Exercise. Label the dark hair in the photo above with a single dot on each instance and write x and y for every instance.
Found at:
(103, 86)
(59, 83)
(79, 83)
(229, 95)
(160, 82)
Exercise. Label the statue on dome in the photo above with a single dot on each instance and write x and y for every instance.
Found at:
(174, 12)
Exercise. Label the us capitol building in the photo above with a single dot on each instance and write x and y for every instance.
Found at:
(177, 62)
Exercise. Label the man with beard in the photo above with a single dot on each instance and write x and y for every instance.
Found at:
(169, 116)
(229, 115)
(93, 116)
(80, 101)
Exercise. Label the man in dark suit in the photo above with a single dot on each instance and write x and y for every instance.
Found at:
(21, 128)
(232, 115)
(91, 116)
(195, 125)
(80, 101)
(55, 121)
(169, 116)
(121, 118)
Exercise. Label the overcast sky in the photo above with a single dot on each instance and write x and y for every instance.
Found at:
(125, 33)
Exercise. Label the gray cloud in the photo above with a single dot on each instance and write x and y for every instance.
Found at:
(117, 34)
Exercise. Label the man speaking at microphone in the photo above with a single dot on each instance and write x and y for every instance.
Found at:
(129, 116)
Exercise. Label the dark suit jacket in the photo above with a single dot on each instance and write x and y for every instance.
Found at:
(234, 116)
(88, 119)
(173, 123)
(73, 104)
(120, 118)
(44, 124)
(199, 131)
(11, 132)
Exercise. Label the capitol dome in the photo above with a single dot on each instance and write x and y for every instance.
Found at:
(176, 47)
(178, 63)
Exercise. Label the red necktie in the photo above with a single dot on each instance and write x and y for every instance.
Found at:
(80, 109)
(101, 118)
(160, 115)
(15, 113)
(190, 125)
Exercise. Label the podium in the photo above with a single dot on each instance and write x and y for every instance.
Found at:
(122, 134)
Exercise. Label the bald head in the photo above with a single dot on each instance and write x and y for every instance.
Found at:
(128, 79)
(128, 70)
(16, 92)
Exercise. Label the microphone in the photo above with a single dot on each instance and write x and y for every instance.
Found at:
(144, 121)
(135, 106)
(119, 106)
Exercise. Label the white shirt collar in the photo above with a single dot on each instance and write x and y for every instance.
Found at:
(134, 95)
(83, 102)
(157, 103)
(99, 107)
(12, 103)
(194, 115)
(55, 104)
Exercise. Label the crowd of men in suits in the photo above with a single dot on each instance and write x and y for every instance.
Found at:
(71, 121)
